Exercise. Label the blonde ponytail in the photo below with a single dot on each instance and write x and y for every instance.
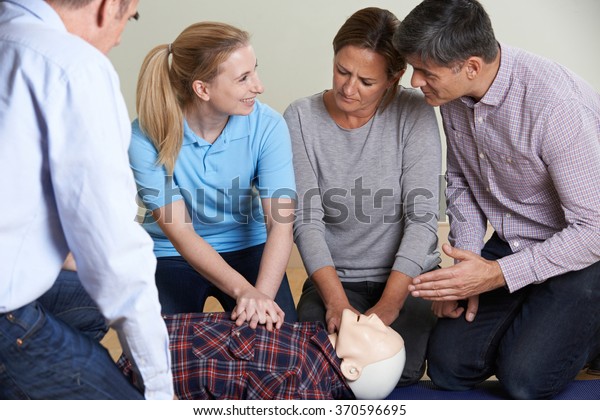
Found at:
(159, 111)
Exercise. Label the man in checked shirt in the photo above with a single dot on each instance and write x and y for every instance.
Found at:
(523, 139)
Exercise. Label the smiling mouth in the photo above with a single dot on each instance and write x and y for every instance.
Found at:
(248, 101)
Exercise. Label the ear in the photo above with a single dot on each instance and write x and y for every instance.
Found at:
(107, 10)
(473, 67)
(350, 370)
(201, 90)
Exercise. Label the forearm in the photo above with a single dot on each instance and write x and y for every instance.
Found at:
(417, 251)
(209, 263)
(396, 289)
(274, 259)
(571, 249)
(393, 297)
(252, 305)
(330, 287)
(197, 252)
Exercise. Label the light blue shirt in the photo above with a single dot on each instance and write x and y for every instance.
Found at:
(222, 183)
(66, 183)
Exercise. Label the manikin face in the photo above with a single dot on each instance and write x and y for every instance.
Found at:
(234, 90)
(359, 80)
(439, 84)
(364, 340)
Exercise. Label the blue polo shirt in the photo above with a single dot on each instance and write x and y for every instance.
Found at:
(222, 183)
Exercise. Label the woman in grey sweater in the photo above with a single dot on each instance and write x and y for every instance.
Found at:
(367, 158)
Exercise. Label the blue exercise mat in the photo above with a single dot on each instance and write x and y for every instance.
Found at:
(491, 390)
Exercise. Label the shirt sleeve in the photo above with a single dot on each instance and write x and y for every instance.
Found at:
(309, 227)
(420, 186)
(571, 151)
(95, 196)
(155, 187)
(275, 172)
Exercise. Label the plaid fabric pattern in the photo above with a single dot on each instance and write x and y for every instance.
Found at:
(526, 158)
(212, 358)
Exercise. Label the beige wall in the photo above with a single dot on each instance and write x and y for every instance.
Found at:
(292, 39)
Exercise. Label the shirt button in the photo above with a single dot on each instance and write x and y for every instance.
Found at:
(508, 215)
(481, 156)
(509, 160)
(480, 120)
(19, 342)
(516, 244)
(10, 317)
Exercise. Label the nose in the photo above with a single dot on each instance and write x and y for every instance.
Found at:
(417, 80)
(349, 87)
(257, 86)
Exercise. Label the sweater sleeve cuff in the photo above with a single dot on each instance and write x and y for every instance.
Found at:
(314, 251)
(406, 266)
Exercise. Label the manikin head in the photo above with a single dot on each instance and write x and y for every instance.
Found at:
(372, 354)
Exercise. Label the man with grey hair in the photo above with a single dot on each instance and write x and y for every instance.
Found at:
(65, 177)
(524, 156)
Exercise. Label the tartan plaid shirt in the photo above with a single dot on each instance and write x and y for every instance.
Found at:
(526, 158)
(212, 358)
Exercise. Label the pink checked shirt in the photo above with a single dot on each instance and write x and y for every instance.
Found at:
(526, 158)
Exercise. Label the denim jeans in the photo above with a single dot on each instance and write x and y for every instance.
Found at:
(414, 323)
(534, 340)
(49, 349)
(181, 289)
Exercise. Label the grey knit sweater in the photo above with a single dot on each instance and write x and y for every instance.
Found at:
(367, 197)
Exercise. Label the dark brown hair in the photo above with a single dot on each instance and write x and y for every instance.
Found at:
(373, 28)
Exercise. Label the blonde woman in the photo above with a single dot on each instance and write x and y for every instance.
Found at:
(214, 170)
